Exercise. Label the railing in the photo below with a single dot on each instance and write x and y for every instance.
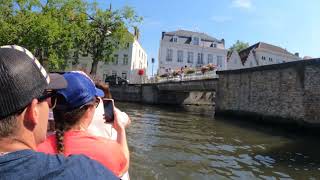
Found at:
(185, 77)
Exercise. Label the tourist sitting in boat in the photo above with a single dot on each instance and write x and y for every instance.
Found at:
(73, 114)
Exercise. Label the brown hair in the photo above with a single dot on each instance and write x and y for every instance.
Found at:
(105, 88)
(65, 119)
(8, 126)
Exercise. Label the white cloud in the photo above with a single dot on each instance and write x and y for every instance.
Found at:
(151, 22)
(246, 4)
(221, 19)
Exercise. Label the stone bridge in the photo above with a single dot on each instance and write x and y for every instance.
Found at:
(195, 92)
(191, 85)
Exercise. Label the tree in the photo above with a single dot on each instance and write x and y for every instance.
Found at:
(108, 32)
(50, 29)
(238, 46)
(54, 30)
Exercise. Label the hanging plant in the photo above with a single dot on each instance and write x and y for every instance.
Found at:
(204, 69)
(141, 72)
(190, 71)
(211, 67)
(176, 73)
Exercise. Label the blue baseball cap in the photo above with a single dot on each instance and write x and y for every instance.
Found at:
(80, 90)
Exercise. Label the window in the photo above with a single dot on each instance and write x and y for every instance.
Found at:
(270, 59)
(195, 40)
(263, 58)
(169, 55)
(175, 39)
(210, 58)
(235, 61)
(219, 61)
(215, 45)
(124, 75)
(251, 64)
(125, 59)
(115, 59)
(180, 56)
(200, 58)
(127, 45)
(139, 52)
(114, 73)
(190, 57)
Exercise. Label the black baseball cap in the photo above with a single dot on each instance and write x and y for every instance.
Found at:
(22, 78)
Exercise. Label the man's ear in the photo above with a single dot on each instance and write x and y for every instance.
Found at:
(31, 116)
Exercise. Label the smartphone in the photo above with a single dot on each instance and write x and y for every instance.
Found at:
(108, 110)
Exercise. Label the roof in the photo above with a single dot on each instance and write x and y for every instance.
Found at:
(229, 55)
(245, 53)
(185, 33)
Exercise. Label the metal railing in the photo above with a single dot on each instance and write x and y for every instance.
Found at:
(198, 75)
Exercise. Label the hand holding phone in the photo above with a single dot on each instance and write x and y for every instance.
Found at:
(108, 110)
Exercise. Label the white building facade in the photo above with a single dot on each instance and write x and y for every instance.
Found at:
(260, 54)
(190, 49)
(125, 63)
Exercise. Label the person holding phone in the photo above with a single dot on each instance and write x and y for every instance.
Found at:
(101, 124)
(73, 114)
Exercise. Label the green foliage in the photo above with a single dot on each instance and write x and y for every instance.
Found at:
(190, 71)
(108, 32)
(238, 46)
(54, 30)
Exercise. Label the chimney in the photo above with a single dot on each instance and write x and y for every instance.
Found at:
(163, 34)
(296, 54)
(136, 32)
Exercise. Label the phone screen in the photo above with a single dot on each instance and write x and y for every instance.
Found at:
(108, 110)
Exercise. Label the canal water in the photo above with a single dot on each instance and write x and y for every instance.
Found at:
(189, 143)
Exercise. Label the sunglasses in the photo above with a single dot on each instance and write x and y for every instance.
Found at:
(48, 96)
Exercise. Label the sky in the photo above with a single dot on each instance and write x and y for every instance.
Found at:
(290, 24)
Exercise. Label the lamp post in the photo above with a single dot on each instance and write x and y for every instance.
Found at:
(152, 61)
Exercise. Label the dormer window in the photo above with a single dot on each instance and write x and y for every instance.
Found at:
(215, 45)
(196, 41)
(175, 39)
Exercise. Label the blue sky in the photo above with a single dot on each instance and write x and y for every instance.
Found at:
(291, 24)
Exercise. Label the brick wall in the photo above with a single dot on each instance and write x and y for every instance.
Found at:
(282, 92)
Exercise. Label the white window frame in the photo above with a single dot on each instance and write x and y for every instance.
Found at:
(200, 58)
(169, 54)
(219, 61)
(210, 58)
(179, 56)
(196, 40)
(125, 59)
(190, 57)
(115, 59)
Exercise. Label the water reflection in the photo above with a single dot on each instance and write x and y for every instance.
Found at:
(188, 143)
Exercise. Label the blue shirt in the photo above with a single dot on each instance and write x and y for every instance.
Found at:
(28, 164)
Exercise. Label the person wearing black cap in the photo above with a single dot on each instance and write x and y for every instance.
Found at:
(25, 98)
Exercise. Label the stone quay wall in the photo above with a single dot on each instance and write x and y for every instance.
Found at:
(170, 93)
(288, 92)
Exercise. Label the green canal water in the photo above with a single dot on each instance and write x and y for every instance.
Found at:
(189, 143)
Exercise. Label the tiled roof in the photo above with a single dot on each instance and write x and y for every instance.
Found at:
(245, 53)
(229, 55)
(185, 33)
(274, 48)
